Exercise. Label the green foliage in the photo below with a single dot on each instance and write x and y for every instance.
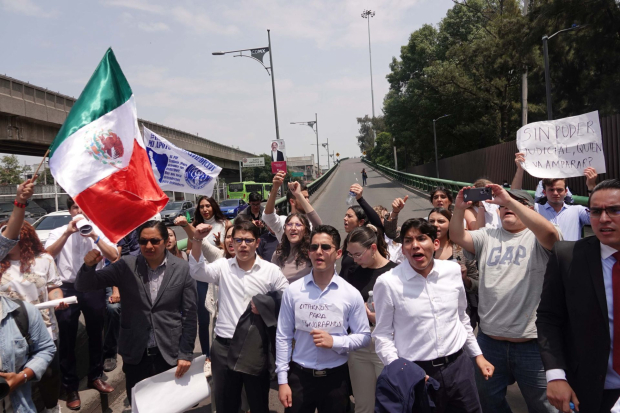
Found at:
(471, 65)
(383, 152)
(10, 170)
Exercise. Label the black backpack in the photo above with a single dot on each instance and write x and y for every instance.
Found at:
(20, 316)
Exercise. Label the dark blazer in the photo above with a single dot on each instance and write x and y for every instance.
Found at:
(572, 319)
(280, 157)
(172, 315)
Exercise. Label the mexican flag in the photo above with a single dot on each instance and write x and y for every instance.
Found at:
(99, 157)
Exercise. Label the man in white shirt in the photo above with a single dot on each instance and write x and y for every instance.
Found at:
(570, 218)
(421, 316)
(316, 312)
(578, 318)
(69, 247)
(239, 279)
(511, 261)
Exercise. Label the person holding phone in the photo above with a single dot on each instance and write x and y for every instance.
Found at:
(511, 262)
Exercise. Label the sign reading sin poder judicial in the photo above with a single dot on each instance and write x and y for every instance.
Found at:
(319, 316)
(562, 148)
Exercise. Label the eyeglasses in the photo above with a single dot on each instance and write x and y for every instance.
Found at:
(153, 241)
(292, 225)
(360, 255)
(248, 241)
(612, 211)
(324, 247)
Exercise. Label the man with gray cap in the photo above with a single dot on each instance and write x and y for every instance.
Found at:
(512, 261)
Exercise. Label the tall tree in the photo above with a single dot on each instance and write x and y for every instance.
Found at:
(10, 170)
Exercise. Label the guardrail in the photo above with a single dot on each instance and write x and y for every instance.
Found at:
(426, 183)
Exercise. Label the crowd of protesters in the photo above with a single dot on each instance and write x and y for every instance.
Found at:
(439, 314)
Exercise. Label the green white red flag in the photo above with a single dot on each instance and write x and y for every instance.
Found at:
(99, 157)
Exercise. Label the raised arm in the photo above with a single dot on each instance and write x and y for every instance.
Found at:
(25, 190)
(543, 230)
(55, 244)
(517, 181)
(301, 200)
(458, 234)
(390, 224)
(277, 182)
(372, 215)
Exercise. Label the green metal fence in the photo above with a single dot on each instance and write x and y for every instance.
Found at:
(426, 183)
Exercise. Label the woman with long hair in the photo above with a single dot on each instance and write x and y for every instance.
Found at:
(442, 197)
(292, 253)
(29, 274)
(207, 212)
(369, 251)
(172, 247)
(440, 218)
(358, 216)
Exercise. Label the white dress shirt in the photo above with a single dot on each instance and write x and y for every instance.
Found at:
(305, 291)
(612, 379)
(236, 286)
(420, 318)
(71, 257)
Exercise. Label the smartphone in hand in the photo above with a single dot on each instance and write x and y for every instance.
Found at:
(477, 194)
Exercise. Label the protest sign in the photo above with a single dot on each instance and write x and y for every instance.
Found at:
(562, 148)
(179, 170)
(278, 156)
(326, 317)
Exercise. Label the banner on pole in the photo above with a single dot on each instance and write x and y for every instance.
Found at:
(179, 170)
(278, 156)
(562, 148)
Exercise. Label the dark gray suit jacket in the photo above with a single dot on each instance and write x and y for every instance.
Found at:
(173, 314)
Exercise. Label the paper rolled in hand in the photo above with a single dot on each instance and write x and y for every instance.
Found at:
(54, 303)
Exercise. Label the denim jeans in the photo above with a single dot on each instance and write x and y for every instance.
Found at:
(203, 317)
(518, 362)
(112, 326)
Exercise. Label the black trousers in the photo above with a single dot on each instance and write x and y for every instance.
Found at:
(49, 385)
(227, 384)
(112, 326)
(92, 305)
(149, 366)
(328, 394)
(203, 317)
(610, 397)
(457, 392)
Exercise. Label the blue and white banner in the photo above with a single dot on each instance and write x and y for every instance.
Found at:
(178, 170)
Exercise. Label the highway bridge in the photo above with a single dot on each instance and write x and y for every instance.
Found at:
(30, 117)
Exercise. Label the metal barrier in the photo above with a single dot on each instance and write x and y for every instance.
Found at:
(426, 184)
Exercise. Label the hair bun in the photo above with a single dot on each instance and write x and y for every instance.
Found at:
(373, 228)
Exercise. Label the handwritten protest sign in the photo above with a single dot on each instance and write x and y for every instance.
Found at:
(562, 148)
(326, 317)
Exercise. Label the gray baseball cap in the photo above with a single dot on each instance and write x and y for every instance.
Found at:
(521, 196)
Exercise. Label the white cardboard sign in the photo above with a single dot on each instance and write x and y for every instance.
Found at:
(320, 316)
(562, 148)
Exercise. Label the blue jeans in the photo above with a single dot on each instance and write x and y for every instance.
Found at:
(518, 362)
(203, 317)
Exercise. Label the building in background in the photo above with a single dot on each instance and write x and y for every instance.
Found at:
(302, 165)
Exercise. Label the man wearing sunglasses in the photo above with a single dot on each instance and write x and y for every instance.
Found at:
(578, 317)
(239, 280)
(511, 260)
(317, 311)
(159, 318)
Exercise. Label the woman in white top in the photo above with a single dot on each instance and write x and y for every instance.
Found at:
(29, 274)
(207, 212)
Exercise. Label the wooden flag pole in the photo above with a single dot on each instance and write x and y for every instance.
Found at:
(39, 167)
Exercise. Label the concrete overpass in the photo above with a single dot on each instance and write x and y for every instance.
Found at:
(30, 117)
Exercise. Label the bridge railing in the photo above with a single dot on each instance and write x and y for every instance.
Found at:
(426, 184)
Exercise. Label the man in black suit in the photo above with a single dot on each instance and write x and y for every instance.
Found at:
(578, 317)
(276, 155)
(159, 319)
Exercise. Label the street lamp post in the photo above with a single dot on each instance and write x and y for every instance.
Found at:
(314, 125)
(545, 39)
(435, 138)
(326, 147)
(258, 54)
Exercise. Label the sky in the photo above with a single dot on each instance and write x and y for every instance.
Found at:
(320, 59)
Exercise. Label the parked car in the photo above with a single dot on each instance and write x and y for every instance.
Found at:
(231, 207)
(50, 222)
(32, 213)
(175, 208)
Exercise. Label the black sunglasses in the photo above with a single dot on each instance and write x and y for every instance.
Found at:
(153, 241)
(324, 247)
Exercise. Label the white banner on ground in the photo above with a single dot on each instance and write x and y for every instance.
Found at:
(179, 170)
(562, 148)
